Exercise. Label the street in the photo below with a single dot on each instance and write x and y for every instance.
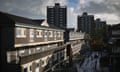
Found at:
(90, 64)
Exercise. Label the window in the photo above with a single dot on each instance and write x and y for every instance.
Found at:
(61, 35)
(25, 70)
(58, 34)
(42, 62)
(63, 53)
(37, 69)
(61, 19)
(52, 17)
(20, 32)
(55, 57)
(21, 52)
(49, 46)
(38, 48)
(24, 32)
(61, 15)
(58, 55)
(31, 35)
(61, 10)
(38, 33)
(50, 63)
(9, 57)
(50, 34)
(55, 34)
(45, 35)
(29, 51)
(37, 65)
(30, 68)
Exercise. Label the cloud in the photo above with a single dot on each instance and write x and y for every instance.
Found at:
(109, 8)
(28, 8)
(37, 8)
(110, 18)
(72, 17)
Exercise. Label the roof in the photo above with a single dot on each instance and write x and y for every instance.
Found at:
(20, 19)
(25, 21)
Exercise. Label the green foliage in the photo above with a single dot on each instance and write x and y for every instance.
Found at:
(97, 39)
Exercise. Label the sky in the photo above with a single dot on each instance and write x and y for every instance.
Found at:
(107, 10)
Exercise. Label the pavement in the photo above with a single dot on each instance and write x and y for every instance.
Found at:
(91, 64)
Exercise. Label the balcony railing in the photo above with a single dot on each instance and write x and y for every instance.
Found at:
(76, 35)
(16, 57)
(12, 56)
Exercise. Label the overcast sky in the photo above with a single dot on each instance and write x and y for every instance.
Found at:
(108, 10)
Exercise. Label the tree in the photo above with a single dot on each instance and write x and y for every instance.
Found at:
(97, 39)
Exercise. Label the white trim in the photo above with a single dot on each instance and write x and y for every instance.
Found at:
(76, 38)
(37, 43)
(20, 25)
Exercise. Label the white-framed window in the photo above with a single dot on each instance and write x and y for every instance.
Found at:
(59, 34)
(25, 69)
(29, 51)
(43, 62)
(30, 68)
(45, 35)
(22, 51)
(50, 33)
(63, 53)
(37, 66)
(55, 34)
(20, 32)
(31, 31)
(58, 54)
(38, 48)
(49, 46)
(38, 33)
(8, 57)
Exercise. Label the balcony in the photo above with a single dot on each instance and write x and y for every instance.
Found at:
(76, 35)
(16, 58)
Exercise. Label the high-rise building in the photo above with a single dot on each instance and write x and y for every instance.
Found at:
(86, 23)
(99, 24)
(57, 15)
